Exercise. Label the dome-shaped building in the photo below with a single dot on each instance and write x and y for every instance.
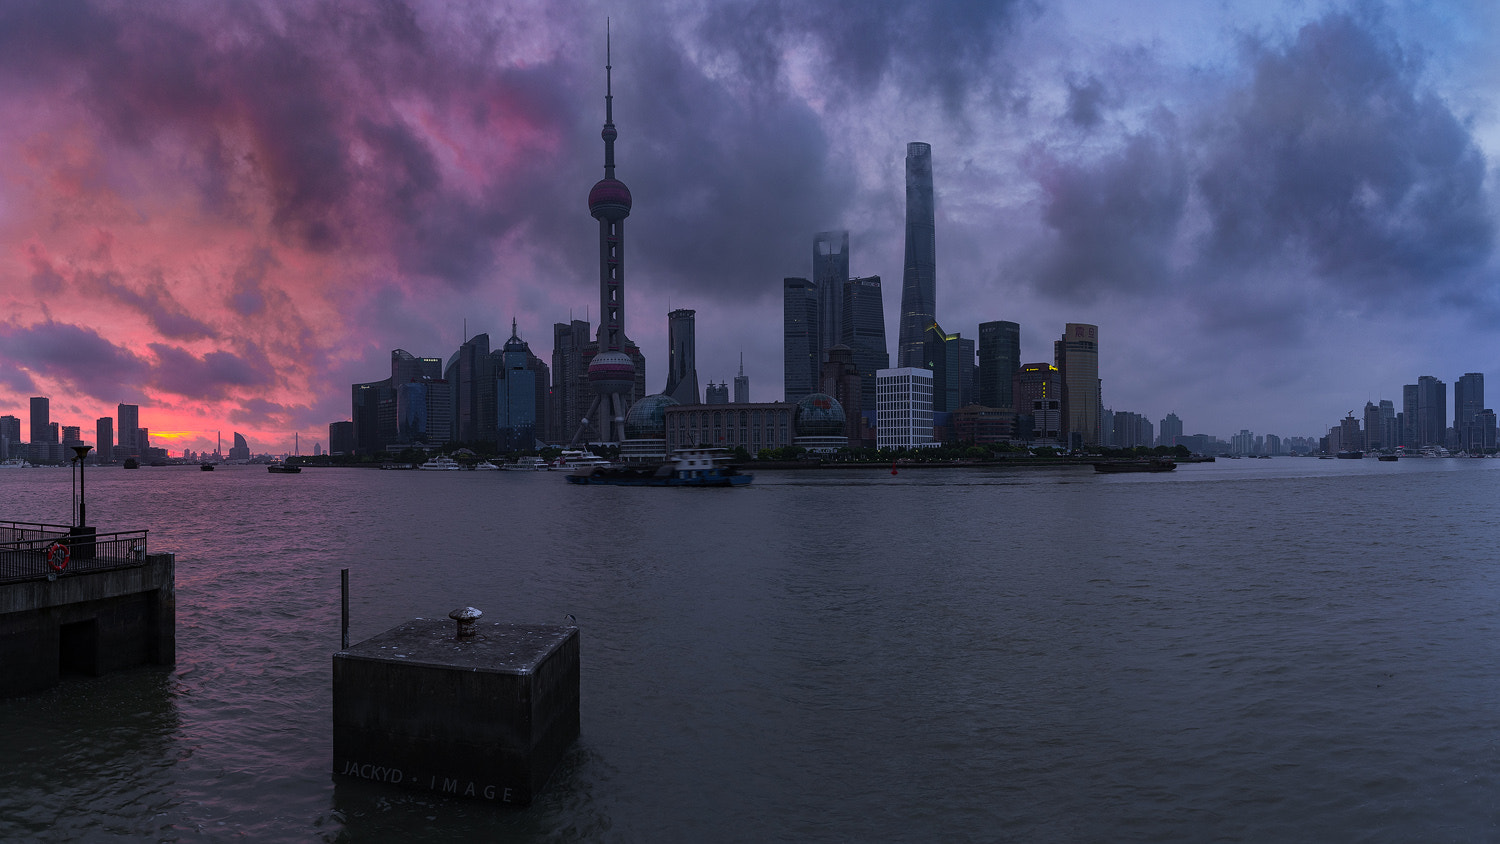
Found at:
(819, 424)
(646, 430)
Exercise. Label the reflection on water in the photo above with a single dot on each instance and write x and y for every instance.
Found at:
(1264, 650)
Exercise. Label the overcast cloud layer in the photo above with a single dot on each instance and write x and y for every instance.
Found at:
(228, 212)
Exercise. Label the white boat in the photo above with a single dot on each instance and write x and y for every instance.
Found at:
(441, 463)
(527, 464)
(15, 463)
(486, 466)
(580, 459)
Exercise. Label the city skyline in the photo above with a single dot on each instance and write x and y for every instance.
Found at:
(191, 227)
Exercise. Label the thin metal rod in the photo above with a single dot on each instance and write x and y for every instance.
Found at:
(344, 580)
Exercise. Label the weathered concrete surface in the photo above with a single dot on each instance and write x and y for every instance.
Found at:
(87, 622)
(487, 717)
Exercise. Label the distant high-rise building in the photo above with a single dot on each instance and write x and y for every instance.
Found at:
(1468, 403)
(1390, 428)
(799, 338)
(1409, 416)
(104, 439)
(903, 410)
(951, 359)
(1077, 354)
(999, 361)
(1374, 440)
(127, 423)
(570, 379)
(518, 402)
(840, 379)
(830, 272)
(919, 273)
(742, 384)
(1037, 382)
(341, 437)
(41, 420)
(1171, 430)
(1431, 412)
(10, 434)
(716, 394)
(71, 435)
(862, 329)
(682, 367)
(241, 448)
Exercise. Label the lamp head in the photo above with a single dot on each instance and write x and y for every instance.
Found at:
(82, 451)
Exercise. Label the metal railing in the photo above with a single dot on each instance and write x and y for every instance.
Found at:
(31, 551)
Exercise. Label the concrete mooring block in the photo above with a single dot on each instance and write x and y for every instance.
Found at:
(487, 715)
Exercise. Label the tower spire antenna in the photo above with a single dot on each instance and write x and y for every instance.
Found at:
(609, 132)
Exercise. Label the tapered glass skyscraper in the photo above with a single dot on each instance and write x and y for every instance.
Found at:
(919, 276)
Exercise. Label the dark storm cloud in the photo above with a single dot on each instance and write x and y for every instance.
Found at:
(1085, 102)
(151, 299)
(75, 355)
(1335, 152)
(261, 413)
(942, 48)
(1114, 219)
(305, 97)
(212, 376)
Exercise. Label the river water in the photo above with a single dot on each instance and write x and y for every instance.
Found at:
(1254, 650)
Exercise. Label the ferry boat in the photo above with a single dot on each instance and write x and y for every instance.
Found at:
(689, 467)
(486, 466)
(527, 464)
(581, 459)
(15, 463)
(441, 463)
(283, 469)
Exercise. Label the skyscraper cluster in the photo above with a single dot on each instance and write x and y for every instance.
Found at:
(995, 398)
(1423, 423)
(51, 443)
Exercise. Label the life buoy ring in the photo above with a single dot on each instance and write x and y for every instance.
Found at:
(57, 556)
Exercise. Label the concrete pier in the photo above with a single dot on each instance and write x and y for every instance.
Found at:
(487, 715)
(87, 622)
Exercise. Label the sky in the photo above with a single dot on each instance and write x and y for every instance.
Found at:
(228, 212)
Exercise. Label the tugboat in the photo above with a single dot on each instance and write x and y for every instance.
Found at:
(689, 467)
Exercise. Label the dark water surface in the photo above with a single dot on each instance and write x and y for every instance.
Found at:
(1262, 650)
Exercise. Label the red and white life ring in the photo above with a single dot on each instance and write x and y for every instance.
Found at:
(57, 556)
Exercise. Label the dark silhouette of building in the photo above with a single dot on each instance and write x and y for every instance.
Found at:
(104, 439)
(612, 369)
(1468, 403)
(919, 273)
(841, 380)
(1077, 355)
(127, 430)
(799, 338)
(341, 437)
(951, 359)
(742, 384)
(241, 448)
(570, 379)
(999, 361)
(682, 367)
(863, 331)
(830, 272)
(716, 394)
(41, 420)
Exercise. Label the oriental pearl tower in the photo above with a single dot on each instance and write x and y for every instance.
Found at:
(611, 373)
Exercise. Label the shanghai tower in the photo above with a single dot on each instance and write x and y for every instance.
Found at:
(919, 277)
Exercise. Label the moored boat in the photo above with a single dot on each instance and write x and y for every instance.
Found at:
(283, 469)
(1155, 464)
(580, 459)
(689, 467)
(441, 463)
(527, 464)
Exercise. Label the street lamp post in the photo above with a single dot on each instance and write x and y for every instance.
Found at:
(81, 536)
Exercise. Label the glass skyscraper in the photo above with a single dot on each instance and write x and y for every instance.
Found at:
(863, 331)
(1077, 356)
(919, 273)
(799, 338)
(682, 368)
(830, 271)
(999, 361)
